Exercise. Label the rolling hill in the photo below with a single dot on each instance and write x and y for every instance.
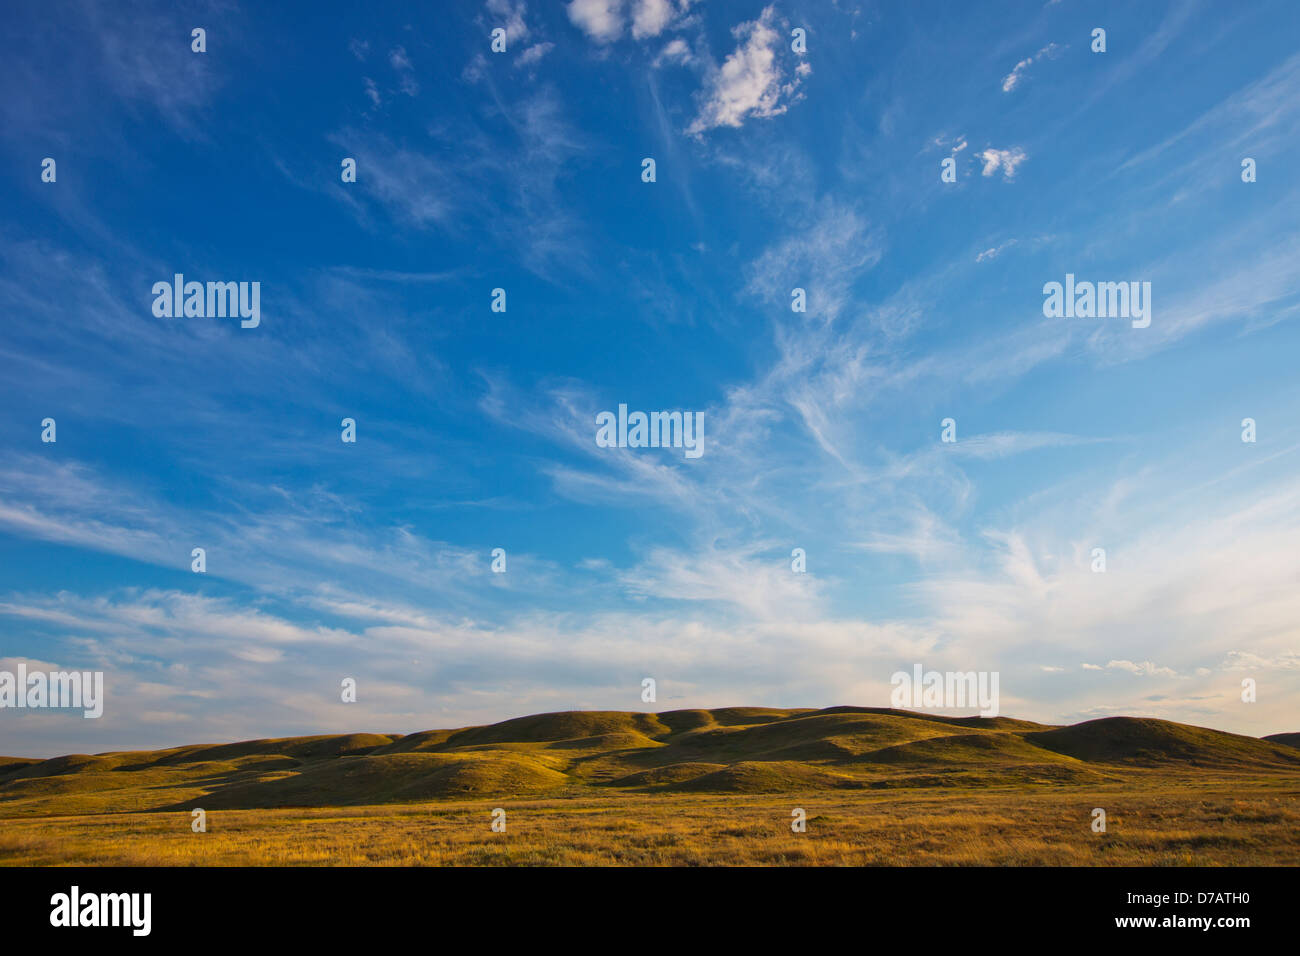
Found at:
(730, 750)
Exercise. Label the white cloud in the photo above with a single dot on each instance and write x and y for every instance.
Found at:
(475, 69)
(398, 59)
(1005, 159)
(676, 51)
(509, 17)
(1012, 79)
(534, 53)
(924, 536)
(749, 82)
(994, 251)
(745, 580)
(400, 62)
(602, 20)
(1244, 660)
(1144, 668)
(650, 17)
(826, 258)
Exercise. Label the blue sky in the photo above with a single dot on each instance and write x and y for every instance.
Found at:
(522, 170)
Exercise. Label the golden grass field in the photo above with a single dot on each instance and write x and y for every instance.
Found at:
(878, 787)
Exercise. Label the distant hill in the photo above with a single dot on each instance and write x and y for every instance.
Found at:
(729, 750)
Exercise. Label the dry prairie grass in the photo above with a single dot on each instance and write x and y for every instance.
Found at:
(1177, 824)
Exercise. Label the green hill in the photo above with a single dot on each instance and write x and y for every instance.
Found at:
(1146, 741)
(729, 750)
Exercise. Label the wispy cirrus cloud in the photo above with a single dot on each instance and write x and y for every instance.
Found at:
(1017, 75)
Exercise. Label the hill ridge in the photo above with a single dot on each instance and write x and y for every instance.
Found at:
(727, 749)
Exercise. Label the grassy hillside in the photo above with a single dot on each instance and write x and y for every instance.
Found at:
(739, 750)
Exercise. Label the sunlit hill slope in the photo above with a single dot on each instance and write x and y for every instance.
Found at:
(730, 750)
